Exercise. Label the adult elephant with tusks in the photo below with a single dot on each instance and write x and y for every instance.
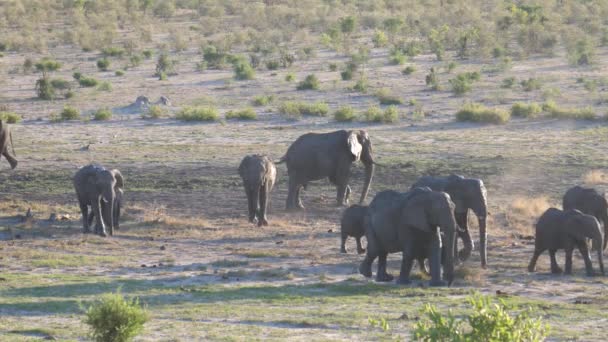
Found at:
(466, 193)
(96, 187)
(315, 156)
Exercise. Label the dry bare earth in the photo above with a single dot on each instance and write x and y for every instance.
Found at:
(210, 275)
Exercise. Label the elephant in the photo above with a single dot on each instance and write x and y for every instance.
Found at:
(352, 224)
(118, 202)
(5, 136)
(259, 175)
(590, 202)
(407, 223)
(314, 156)
(96, 187)
(566, 229)
(466, 193)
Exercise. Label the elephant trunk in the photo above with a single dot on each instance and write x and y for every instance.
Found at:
(449, 228)
(604, 219)
(481, 211)
(369, 173)
(108, 197)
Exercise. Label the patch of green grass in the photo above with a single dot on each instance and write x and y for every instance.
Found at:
(87, 82)
(105, 86)
(262, 100)
(103, 114)
(525, 110)
(475, 112)
(385, 97)
(555, 111)
(295, 109)
(242, 114)
(197, 114)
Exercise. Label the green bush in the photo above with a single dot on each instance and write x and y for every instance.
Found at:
(69, 113)
(147, 54)
(135, 61)
(346, 75)
(582, 53)
(345, 114)
(262, 100)
(387, 98)
(105, 86)
(154, 112)
(243, 71)
(391, 115)
(432, 80)
(361, 85)
(309, 83)
(272, 65)
(103, 64)
(77, 75)
(463, 83)
(294, 109)
(113, 51)
(397, 57)
(475, 112)
(379, 39)
(451, 67)
(373, 114)
(525, 110)
(243, 114)
(115, 319)
(555, 111)
(408, 70)
(531, 84)
(333, 67)
(59, 83)
(508, 82)
(44, 89)
(488, 321)
(165, 66)
(197, 114)
(47, 65)
(9, 117)
(103, 114)
(290, 77)
(87, 82)
(119, 73)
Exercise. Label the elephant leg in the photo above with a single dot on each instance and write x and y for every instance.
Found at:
(343, 239)
(341, 180)
(407, 260)
(293, 194)
(568, 267)
(435, 260)
(532, 264)
(11, 160)
(582, 247)
(360, 249)
(423, 266)
(91, 218)
(262, 219)
(463, 233)
(347, 194)
(382, 275)
(84, 209)
(372, 252)
(99, 226)
(554, 267)
(250, 205)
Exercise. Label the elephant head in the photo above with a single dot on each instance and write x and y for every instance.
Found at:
(471, 193)
(425, 210)
(587, 227)
(360, 146)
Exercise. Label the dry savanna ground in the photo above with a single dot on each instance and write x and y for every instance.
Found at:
(185, 247)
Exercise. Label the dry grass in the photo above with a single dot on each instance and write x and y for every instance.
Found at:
(595, 177)
(530, 206)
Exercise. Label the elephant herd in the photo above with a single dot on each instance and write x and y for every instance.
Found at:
(422, 223)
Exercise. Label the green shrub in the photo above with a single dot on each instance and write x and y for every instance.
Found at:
(397, 57)
(9, 117)
(77, 75)
(47, 65)
(361, 85)
(272, 65)
(412, 48)
(309, 83)
(59, 83)
(432, 80)
(387, 98)
(463, 83)
(165, 66)
(197, 114)
(531, 84)
(28, 65)
(103, 114)
(346, 75)
(333, 67)
(525, 110)
(488, 321)
(379, 39)
(391, 115)
(135, 61)
(476, 112)
(243, 114)
(119, 73)
(451, 67)
(508, 82)
(582, 53)
(554, 111)
(345, 114)
(114, 318)
(262, 100)
(408, 70)
(44, 89)
(105, 86)
(103, 64)
(69, 94)
(69, 113)
(113, 51)
(243, 71)
(147, 54)
(290, 77)
(87, 82)
(373, 114)
(154, 112)
(294, 109)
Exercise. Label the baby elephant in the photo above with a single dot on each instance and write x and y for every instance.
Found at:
(559, 229)
(352, 225)
(259, 175)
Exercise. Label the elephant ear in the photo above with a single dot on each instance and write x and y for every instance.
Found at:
(457, 190)
(354, 146)
(120, 183)
(415, 212)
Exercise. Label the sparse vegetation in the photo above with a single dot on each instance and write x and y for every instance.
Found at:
(475, 112)
(197, 114)
(525, 110)
(309, 83)
(531, 84)
(555, 111)
(154, 112)
(385, 97)
(294, 109)
(242, 114)
(243, 71)
(115, 318)
(105, 86)
(463, 83)
(262, 100)
(165, 66)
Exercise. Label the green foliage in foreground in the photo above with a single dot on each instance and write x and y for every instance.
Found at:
(115, 319)
(490, 322)
(197, 114)
(476, 112)
(10, 117)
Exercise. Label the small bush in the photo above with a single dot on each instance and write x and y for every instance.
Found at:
(555, 111)
(154, 112)
(295, 110)
(114, 318)
(77, 75)
(135, 61)
(475, 112)
(361, 85)
(432, 80)
(87, 82)
(387, 98)
(28, 65)
(243, 71)
(379, 39)
(508, 82)
(397, 57)
(119, 73)
(408, 70)
(103, 64)
(47, 65)
(59, 83)
(463, 83)
(197, 114)
(103, 114)
(333, 67)
(113, 51)
(391, 115)
(272, 65)
(451, 67)
(531, 84)
(262, 100)
(69, 94)
(373, 114)
(345, 114)
(105, 86)
(147, 54)
(582, 53)
(346, 75)
(290, 77)
(10, 117)
(488, 322)
(164, 66)
(309, 83)
(525, 110)
(44, 89)
(243, 114)
(69, 113)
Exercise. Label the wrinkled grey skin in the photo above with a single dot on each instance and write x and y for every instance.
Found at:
(96, 185)
(407, 223)
(567, 229)
(5, 136)
(466, 193)
(315, 156)
(352, 224)
(259, 175)
(590, 202)
(118, 203)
